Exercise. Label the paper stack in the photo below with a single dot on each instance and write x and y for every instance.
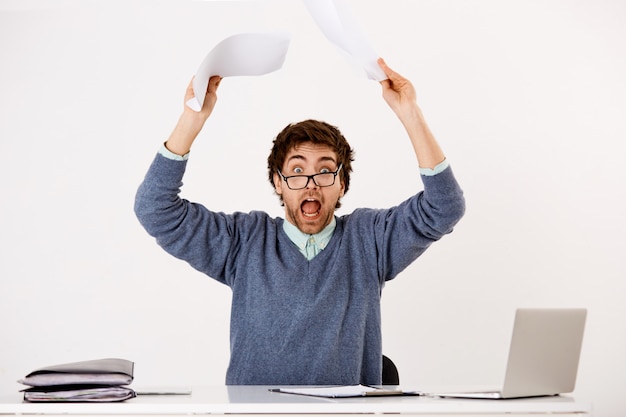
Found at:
(100, 380)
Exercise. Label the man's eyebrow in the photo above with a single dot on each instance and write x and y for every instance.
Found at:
(321, 159)
(327, 158)
(296, 157)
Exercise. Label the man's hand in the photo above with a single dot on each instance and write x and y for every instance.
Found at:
(210, 97)
(191, 122)
(398, 92)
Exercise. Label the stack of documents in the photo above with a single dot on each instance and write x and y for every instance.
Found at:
(100, 380)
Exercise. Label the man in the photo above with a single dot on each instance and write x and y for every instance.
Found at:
(306, 289)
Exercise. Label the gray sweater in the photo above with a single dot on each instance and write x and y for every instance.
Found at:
(295, 321)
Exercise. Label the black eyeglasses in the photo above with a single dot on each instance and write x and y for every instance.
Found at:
(323, 179)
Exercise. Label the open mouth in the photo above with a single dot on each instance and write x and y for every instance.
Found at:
(310, 208)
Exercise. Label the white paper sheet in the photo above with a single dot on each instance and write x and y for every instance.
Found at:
(241, 54)
(336, 21)
(345, 391)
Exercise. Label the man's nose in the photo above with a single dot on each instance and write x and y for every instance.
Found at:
(310, 184)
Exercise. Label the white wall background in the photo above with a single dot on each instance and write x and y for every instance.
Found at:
(526, 97)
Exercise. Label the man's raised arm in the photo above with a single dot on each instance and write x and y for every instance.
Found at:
(400, 95)
(191, 122)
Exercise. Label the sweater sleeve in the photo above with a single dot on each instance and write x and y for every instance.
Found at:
(404, 232)
(186, 230)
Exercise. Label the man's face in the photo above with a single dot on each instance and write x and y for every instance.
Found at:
(312, 208)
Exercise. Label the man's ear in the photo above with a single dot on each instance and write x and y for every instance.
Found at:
(278, 184)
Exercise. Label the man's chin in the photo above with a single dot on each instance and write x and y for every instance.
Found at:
(307, 224)
(311, 227)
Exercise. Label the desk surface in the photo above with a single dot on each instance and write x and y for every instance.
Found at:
(259, 400)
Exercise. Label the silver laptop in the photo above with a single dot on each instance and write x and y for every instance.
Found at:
(543, 357)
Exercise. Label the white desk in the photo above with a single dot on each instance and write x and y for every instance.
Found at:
(255, 400)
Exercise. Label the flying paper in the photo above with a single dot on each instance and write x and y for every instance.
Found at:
(241, 54)
(336, 21)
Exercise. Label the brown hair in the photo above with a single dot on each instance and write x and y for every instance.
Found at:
(316, 132)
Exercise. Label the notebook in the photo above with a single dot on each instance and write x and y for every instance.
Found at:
(543, 356)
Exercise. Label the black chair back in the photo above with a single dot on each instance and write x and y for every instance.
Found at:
(390, 372)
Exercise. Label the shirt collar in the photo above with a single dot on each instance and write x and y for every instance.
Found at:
(300, 239)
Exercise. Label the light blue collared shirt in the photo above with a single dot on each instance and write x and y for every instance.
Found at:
(429, 172)
(310, 245)
(171, 155)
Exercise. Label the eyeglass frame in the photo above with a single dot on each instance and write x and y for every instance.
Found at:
(311, 177)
